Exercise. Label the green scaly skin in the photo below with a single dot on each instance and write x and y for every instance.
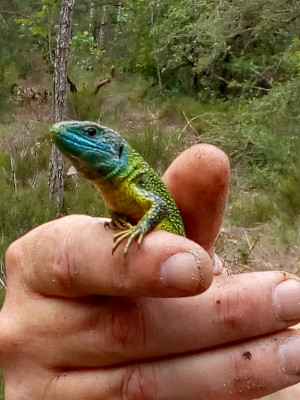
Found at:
(136, 197)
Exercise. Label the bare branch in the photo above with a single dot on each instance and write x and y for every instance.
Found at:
(14, 13)
(188, 124)
(105, 81)
(99, 3)
(50, 47)
(72, 85)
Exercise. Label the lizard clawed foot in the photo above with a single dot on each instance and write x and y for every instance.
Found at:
(130, 233)
(117, 224)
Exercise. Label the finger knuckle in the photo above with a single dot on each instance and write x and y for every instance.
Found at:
(246, 379)
(232, 309)
(12, 256)
(14, 340)
(139, 383)
(65, 272)
(127, 326)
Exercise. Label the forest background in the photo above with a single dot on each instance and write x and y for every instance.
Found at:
(166, 74)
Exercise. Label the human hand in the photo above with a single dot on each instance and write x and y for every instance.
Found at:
(79, 323)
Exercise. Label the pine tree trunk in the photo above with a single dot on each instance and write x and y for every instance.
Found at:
(102, 29)
(56, 164)
(92, 16)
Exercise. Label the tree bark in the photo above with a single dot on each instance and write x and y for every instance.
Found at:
(92, 13)
(56, 164)
(102, 29)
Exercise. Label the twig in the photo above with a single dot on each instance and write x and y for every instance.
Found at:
(50, 47)
(253, 245)
(13, 13)
(108, 4)
(72, 85)
(261, 75)
(189, 123)
(105, 81)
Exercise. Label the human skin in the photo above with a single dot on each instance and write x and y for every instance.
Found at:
(81, 323)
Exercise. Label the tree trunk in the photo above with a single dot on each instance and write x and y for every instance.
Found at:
(92, 13)
(56, 165)
(102, 28)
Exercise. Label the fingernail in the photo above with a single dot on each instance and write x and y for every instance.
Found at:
(182, 271)
(289, 354)
(286, 300)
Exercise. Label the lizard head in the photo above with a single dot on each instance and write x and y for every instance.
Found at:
(95, 150)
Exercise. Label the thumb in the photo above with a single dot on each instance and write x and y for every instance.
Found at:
(199, 180)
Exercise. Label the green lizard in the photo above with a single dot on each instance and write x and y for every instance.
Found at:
(135, 196)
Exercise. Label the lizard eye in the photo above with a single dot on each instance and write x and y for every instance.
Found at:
(92, 131)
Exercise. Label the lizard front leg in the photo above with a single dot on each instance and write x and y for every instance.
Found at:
(156, 213)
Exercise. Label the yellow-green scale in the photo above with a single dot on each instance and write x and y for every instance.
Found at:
(131, 192)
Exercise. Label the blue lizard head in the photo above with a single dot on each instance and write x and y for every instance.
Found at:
(95, 150)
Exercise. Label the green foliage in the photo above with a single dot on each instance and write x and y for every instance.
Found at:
(84, 51)
(39, 28)
(10, 69)
(228, 49)
(289, 190)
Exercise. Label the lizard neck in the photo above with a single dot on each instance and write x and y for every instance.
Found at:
(124, 166)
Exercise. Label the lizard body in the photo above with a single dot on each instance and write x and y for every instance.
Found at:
(137, 199)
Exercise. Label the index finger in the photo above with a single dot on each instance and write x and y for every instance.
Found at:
(72, 257)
